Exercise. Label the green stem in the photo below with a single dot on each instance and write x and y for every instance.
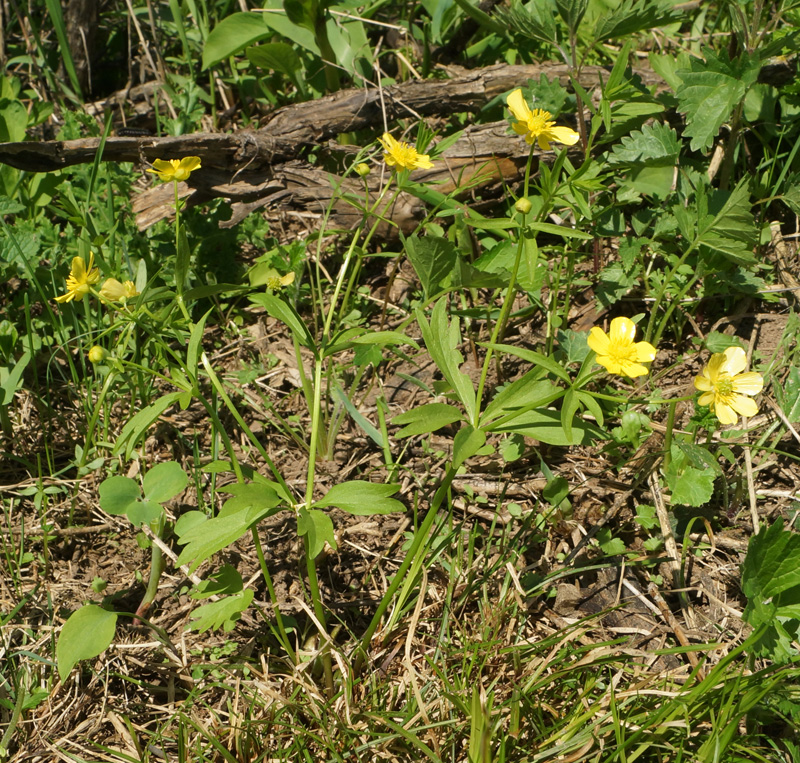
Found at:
(399, 577)
(156, 569)
(668, 435)
(282, 635)
(180, 271)
(663, 290)
(499, 325)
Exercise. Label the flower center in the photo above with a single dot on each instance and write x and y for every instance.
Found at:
(724, 385)
(405, 154)
(538, 121)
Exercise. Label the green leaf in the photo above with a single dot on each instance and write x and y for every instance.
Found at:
(117, 494)
(144, 512)
(433, 258)
(611, 546)
(534, 20)
(277, 56)
(317, 528)
(226, 580)
(234, 34)
(630, 17)
(531, 356)
(710, 90)
(164, 481)
(528, 392)
(560, 230)
(12, 380)
(221, 614)
(362, 498)
(281, 310)
(485, 22)
(138, 425)
(87, 633)
(512, 448)
(442, 340)
(653, 144)
(467, 442)
(771, 570)
(250, 504)
(572, 11)
(545, 426)
(426, 418)
(688, 485)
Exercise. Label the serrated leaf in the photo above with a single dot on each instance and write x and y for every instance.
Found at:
(653, 144)
(221, 614)
(710, 90)
(628, 18)
(426, 418)
(362, 498)
(771, 569)
(433, 258)
(164, 481)
(689, 486)
(87, 633)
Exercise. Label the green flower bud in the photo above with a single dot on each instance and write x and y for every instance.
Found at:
(97, 354)
(363, 169)
(523, 206)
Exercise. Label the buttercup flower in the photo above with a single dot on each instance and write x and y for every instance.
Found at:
(617, 351)
(114, 291)
(175, 169)
(402, 156)
(536, 124)
(276, 282)
(724, 386)
(80, 280)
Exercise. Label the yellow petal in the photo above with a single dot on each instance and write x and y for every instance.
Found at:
(725, 413)
(703, 384)
(707, 397)
(714, 367)
(564, 135)
(632, 369)
(622, 331)
(517, 106)
(598, 341)
(744, 406)
(750, 383)
(609, 363)
(544, 144)
(645, 352)
(735, 361)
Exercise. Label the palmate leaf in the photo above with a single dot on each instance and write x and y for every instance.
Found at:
(221, 614)
(536, 20)
(710, 90)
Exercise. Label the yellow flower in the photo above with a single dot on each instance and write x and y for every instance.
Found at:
(80, 280)
(276, 282)
(114, 291)
(536, 125)
(618, 352)
(402, 156)
(724, 386)
(176, 169)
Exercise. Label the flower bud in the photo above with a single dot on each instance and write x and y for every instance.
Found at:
(523, 206)
(363, 169)
(97, 354)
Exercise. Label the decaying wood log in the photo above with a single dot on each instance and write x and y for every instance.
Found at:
(258, 168)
